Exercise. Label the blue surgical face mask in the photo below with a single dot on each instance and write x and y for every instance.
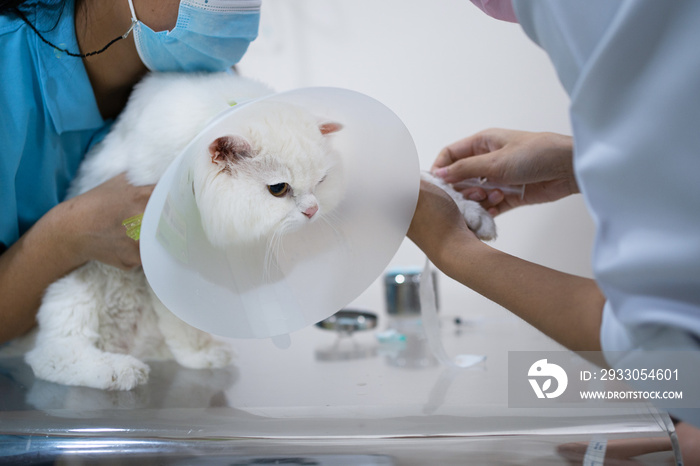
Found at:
(210, 35)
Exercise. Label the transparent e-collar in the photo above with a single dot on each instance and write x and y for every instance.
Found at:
(321, 268)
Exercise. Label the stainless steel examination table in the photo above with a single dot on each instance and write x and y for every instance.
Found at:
(329, 399)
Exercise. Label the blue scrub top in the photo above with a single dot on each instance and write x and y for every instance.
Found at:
(48, 115)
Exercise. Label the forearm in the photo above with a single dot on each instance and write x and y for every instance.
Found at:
(38, 258)
(565, 307)
(84, 228)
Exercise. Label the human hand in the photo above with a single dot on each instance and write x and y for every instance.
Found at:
(437, 223)
(93, 222)
(542, 162)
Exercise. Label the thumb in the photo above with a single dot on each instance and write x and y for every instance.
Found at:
(477, 166)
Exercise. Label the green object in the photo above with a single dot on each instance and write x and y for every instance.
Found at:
(133, 226)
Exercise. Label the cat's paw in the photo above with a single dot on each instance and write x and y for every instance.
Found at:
(478, 220)
(212, 356)
(87, 367)
(121, 372)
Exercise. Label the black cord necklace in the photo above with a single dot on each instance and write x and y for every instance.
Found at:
(67, 52)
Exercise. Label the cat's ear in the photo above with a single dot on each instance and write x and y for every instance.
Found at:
(330, 127)
(229, 149)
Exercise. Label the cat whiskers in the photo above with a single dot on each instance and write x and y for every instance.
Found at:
(334, 223)
(272, 254)
(275, 252)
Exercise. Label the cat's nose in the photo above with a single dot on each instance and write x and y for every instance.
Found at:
(311, 211)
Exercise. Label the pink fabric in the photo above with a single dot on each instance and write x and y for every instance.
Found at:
(499, 9)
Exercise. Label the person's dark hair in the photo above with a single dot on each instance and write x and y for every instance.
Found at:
(8, 7)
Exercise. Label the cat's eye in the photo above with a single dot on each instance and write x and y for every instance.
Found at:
(279, 189)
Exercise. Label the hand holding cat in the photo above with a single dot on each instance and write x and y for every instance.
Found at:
(96, 220)
(438, 223)
(542, 162)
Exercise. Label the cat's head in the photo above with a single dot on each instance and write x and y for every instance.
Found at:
(273, 175)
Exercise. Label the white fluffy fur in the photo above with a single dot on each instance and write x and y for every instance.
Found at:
(478, 220)
(97, 323)
(235, 204)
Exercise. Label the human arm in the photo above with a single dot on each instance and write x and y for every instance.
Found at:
(565, 307)
(542, 162)
(87, 227)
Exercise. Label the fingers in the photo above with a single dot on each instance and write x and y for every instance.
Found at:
(471, 168)
(494, 201)
(484, 166)
(480, 143)
(101, 214)
(472, 157)
(467, 147)
(474, 193)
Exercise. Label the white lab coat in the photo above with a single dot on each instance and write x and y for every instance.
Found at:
(632, 71)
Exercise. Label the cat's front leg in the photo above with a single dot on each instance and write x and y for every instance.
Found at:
(191, 347)
(66, 347)
(478, 220)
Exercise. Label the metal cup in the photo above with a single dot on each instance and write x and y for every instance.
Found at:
(401, 288)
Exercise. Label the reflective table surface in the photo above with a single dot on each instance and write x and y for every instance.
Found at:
(330, 399)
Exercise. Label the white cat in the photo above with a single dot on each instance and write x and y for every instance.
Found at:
(262, 178)
(274, 174)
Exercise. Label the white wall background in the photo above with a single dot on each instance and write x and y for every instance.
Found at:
(447, 70)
